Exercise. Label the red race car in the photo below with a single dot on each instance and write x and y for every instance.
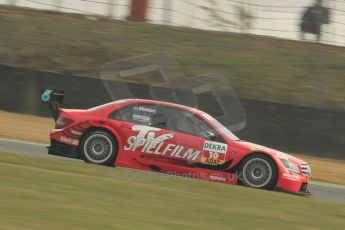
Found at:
(169, 138)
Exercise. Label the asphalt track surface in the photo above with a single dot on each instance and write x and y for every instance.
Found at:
(319, 190)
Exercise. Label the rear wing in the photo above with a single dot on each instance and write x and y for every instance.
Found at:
(54, 98)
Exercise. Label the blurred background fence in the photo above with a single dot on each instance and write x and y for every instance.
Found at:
(277, 18)
(287, 127)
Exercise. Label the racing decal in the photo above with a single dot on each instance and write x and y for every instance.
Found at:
(146, 141)
(69, 140)
(145, 109)
(217, 178)
(143, 114)
(141, 118)
(214, 153)
(255, 147)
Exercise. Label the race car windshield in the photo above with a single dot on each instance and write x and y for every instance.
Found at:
(221, 127)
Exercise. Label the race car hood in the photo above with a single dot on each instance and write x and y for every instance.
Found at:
(248, 146)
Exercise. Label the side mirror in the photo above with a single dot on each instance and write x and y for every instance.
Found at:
(210, 135)
(159, 120)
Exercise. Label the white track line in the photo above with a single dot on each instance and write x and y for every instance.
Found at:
(23, 142)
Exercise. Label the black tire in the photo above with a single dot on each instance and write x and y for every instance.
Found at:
(258, 171)
(98, 147)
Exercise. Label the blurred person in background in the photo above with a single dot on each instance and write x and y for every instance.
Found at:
(313, 19)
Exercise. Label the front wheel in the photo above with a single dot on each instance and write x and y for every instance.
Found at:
(259, 171)
(98, 147)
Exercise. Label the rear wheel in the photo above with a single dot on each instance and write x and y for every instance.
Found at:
(99, 147)
(259, 171)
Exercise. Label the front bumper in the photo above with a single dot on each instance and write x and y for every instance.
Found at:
(304, 190)
(295, 184)
(61, 149)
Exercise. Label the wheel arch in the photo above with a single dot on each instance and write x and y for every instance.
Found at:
(269, 155)
(237, 167)
(105, 128)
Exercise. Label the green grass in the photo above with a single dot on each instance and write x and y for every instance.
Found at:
(262, 68)
(40, 193)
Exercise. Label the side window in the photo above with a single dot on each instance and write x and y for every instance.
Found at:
(205, 130)
(185, 122)
(177, 121)
(123, 114)
(145, 114)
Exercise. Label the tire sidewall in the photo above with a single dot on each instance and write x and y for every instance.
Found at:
(110, 161)
(274, 170)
